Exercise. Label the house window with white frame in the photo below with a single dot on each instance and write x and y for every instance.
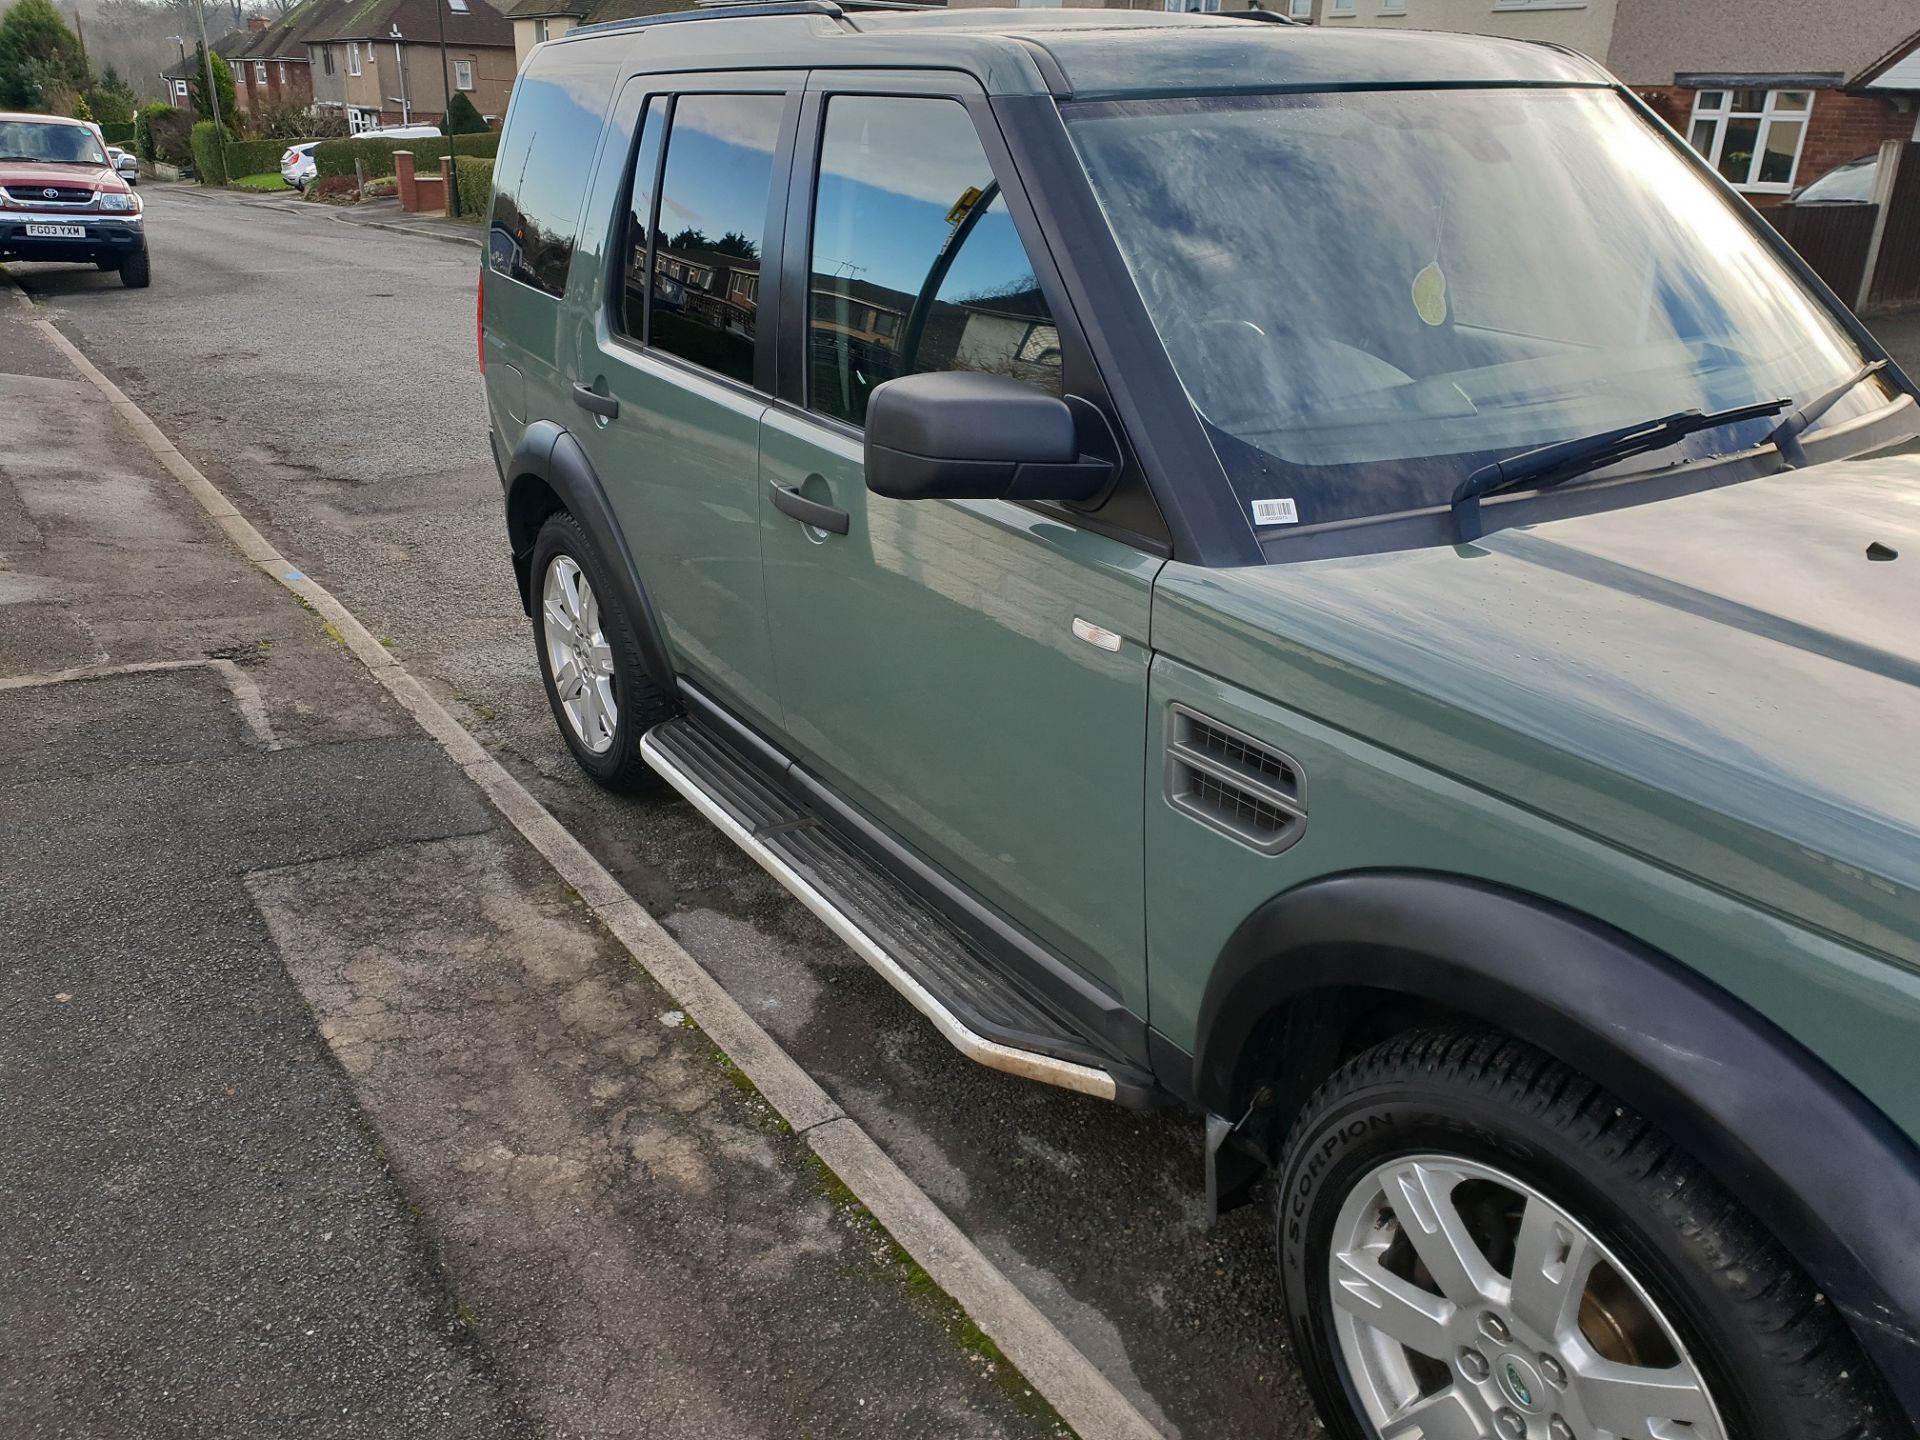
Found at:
(540, 30)
(180, 87)
(1539, 4)
(1752, 137)
(1393, 7)
(1194, 7)
(463, 75)
(1300, 9)
(353, 57)
(459, 7)
(326, 60)
(259, 72)
(1342, 7)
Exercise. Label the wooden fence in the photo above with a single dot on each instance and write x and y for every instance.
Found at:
(1844, 242)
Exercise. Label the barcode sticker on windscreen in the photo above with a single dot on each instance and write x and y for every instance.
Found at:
(1275, 512)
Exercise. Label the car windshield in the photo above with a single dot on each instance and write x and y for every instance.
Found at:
(50, 143)
(1851, 183)
(1369, 295)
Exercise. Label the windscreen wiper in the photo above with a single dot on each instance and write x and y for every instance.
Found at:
(1556, 464)
(1786, 435)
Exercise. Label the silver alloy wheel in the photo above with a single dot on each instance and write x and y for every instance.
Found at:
(1468, 1306)
(577, 654)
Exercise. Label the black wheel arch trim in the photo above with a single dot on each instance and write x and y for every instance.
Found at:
(550, 458)
(1779, 1128)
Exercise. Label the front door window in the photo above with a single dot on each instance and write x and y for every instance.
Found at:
(916, 264)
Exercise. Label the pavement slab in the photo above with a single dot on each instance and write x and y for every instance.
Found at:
(330, 1111)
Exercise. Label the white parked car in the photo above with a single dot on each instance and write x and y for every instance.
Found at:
(125, 164)
(400, 132)
(297, 165)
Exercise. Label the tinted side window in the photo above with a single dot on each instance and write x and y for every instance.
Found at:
(916, 264)
(540, 173)
(710, 228)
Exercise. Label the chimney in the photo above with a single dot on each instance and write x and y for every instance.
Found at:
(258, 22)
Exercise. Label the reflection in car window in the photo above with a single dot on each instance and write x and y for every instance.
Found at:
(1370, 295)
(630, 313)
(709, 232)
(50, 143)
(916, 264)
(539, 178)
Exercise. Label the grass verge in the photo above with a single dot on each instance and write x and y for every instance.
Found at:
(269, 183)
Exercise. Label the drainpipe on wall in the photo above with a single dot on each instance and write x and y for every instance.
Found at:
(400, 69)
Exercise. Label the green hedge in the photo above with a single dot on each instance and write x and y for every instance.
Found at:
(475, 184)
(244, 157)
(144, 144)
(206, 155)
(336, 157)
(121, 135)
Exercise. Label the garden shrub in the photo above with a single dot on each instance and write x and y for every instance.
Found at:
(336, 157)
(475, 184)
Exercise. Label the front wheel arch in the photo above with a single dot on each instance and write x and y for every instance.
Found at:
(1302, 979)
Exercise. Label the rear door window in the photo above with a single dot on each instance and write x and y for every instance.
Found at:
(709, 230)
(540, 172)
(916, 263)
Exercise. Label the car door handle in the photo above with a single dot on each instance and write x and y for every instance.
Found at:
(789, 501)
(590, 399)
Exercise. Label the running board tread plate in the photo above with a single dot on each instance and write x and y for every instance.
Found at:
(979, 1011)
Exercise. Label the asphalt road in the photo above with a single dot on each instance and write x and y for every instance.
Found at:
(324, 376)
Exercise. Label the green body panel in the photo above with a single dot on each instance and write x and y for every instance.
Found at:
(690, 517)
(1625, 713)
(930, 673)
(680, 463)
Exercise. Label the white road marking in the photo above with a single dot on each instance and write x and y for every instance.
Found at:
(1052, 1364)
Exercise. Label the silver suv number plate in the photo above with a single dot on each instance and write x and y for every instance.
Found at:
(57, 232)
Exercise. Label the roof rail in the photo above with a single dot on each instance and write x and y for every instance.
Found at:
(715, 10)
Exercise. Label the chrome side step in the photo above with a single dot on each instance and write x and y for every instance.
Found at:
(915, 952)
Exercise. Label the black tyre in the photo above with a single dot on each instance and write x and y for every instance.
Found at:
(135, 273)
(602, 697)
(1476, 1239)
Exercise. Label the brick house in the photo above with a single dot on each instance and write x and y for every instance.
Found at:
(185, 72)
(1775, 93)
(269, 62)
(535, 21)
(176, 78)
(378, 61)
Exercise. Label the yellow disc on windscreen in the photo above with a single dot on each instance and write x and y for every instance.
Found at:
(1430, 294)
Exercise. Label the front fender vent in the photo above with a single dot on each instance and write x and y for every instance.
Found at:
(1235, 783)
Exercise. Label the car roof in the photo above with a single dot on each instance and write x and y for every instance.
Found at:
(11, 115)
(1088, 54)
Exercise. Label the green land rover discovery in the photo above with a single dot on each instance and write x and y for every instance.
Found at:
(1339, 579)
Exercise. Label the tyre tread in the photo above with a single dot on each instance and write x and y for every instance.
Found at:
(1825, 1384)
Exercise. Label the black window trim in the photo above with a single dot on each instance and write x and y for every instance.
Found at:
(670, 88)
(1080, 375)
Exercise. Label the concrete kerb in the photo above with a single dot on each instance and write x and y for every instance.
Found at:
(1051, 1363)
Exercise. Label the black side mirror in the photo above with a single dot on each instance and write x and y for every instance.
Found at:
(960, 435)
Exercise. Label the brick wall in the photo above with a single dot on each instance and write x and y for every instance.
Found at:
(1842, 127)
(1846, 126)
